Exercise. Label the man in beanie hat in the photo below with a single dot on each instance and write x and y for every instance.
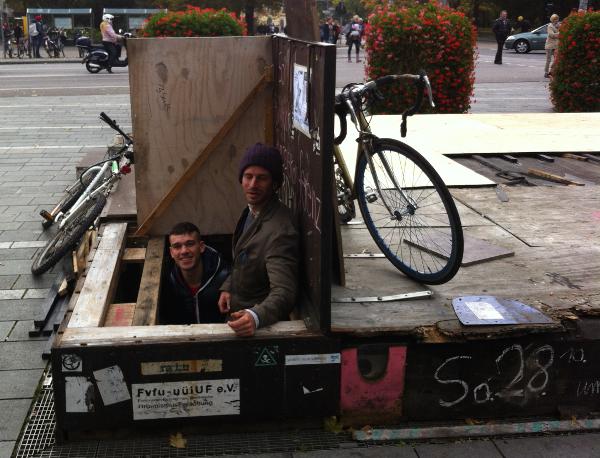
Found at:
(263, 284)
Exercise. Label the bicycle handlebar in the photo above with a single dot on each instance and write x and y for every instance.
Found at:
(355, 92)
(113, 124)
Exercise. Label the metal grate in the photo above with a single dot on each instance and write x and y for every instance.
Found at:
(38, 440)
(38, 433)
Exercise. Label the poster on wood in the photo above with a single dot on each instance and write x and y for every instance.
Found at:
(180, 105)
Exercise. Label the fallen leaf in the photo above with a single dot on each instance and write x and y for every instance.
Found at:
(177, 441)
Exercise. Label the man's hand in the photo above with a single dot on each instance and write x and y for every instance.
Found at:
(242, 323)
(224, 302)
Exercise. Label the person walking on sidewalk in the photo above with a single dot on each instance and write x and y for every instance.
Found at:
(354, 33)
(551, 43)
(501, 29)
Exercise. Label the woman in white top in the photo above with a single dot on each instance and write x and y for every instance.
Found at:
(551, 43)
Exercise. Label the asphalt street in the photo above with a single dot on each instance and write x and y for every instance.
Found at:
(49, 120)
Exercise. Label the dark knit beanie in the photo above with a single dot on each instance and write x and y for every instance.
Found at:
(263, 156)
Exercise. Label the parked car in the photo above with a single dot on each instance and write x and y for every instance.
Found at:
(528, 41)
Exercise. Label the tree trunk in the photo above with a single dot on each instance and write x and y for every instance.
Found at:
(249, 10)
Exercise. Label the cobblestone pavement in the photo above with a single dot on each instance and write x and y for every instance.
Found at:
(43, 134)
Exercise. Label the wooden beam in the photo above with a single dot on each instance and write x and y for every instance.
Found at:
(575, 156)
(146, 309)
(552, 177)
(173, 332)
(120, 314)
(163, 203)
(134, 255)
(101, 279)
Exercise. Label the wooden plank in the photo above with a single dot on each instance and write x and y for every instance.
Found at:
(169, 333)
(101, 280)
(134, 255)
(544, 157)
(121, 202)
(146, 309)
(178, 105)
(195, 166)
(120, 314)
(575, 156)
(552, 177)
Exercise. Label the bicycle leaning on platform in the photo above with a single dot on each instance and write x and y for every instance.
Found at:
(405, 204)
(83, 202)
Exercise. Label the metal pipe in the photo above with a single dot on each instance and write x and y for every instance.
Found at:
(492, 429)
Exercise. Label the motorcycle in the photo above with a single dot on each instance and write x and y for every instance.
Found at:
(96, 57)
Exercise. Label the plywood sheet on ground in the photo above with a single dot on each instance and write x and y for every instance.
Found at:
(183, 90)
(509, 133)
(453, 173)
(559, 276)
(541, 216)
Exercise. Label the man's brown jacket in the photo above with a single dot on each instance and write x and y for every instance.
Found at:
(264, 274)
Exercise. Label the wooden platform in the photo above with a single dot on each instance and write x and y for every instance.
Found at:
(556, 267)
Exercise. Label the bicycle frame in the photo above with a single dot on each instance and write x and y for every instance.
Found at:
(92, 190)
(365, 146)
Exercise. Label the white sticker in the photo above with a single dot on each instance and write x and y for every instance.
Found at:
(79, 394)
(195, 398)
(484, 311)
(71, 363)
(300, 99)
(188, 366)
(111, 385)
(301, 360)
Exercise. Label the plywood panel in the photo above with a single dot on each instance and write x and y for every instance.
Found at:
(453, 173)
(179, 102)
(510, 133)
(541, 216)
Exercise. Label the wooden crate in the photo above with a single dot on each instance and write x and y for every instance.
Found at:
(114, 365)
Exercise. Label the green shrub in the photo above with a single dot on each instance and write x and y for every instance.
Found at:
(193, 22)
(575, 85)
(428, 37)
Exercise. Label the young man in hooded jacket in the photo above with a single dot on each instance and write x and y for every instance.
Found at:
(192, 291)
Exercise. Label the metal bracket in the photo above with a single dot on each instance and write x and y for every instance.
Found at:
(395, 297)
(364, 255)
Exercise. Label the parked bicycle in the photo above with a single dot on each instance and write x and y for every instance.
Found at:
(405, 204)
(52, 43)
(82, 203)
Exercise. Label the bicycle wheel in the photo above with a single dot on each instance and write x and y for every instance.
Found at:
(67, 236)
(422, 237)
(72, 193)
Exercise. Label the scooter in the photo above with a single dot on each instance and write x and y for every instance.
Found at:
(96, 56)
